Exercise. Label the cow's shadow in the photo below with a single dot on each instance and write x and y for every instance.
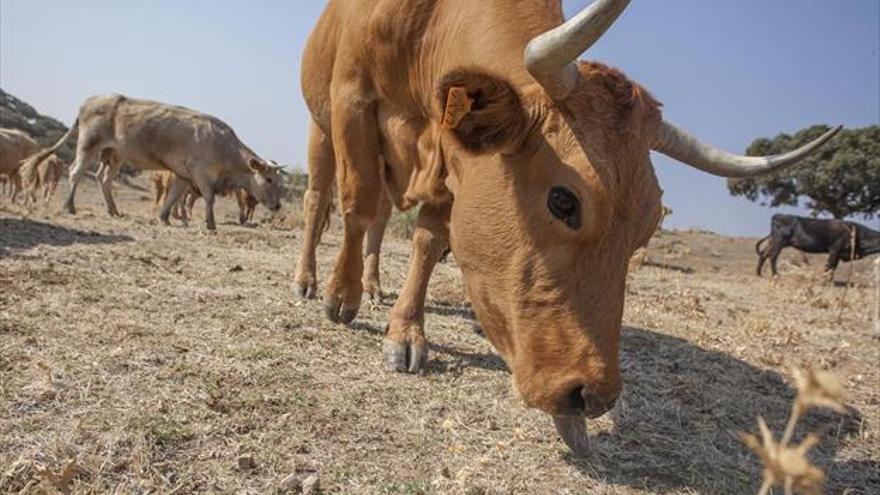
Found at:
(676, 424)
(23, 233)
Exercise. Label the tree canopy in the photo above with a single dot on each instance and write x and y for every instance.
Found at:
(842, 178)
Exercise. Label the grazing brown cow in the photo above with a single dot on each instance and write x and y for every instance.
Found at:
(15, 147)
(534, 166)
(154, 136)
(247, 204)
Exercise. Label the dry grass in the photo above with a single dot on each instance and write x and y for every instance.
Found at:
(168, 360)
(786, 465)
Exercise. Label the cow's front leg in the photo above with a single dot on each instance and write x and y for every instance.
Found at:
(375, 235)
(356, 144)
(405, 347)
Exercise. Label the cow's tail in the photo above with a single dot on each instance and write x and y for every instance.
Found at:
(758, 249)
(30, 165)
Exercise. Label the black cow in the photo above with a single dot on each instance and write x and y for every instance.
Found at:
(815, 235)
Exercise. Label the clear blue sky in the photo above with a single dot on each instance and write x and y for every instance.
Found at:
(729, 71)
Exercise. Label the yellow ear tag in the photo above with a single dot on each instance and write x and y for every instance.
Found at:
(458, 105)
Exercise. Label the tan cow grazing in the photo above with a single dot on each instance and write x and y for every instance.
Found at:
(10, 184)
(247, 204)
(44, 176)
(15, 147)
(535, 167)
(162, 180)
(199, 148)
(182, 209)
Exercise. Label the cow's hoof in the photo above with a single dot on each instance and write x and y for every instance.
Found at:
(337, 313)
(348, 315)
(373, 289)
(331, 309)
(375, 294)
(306, 290)
(410, 357)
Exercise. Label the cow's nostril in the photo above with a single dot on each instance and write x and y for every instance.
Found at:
(583, 401)
(576, 399)
(596, 405)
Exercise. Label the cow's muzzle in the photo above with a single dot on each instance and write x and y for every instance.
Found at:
(584, 401)
(581, 403)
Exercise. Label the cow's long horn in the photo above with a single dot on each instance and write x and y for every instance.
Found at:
(550, 57)
(677, 143)
(573, 430)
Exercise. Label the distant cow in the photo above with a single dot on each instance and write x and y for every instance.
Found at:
(43, 176)
(162, 180)
(154, 136)
(10, 183)
(814, 235)
(15, 147)
(246, 203)
(182, 209)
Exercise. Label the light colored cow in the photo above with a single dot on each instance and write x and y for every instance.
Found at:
(41, 179)
(162, 180)
(15, 147)
(150, 135)
(10, 184)
(182, 209)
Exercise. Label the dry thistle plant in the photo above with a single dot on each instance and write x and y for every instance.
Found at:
(785, 465)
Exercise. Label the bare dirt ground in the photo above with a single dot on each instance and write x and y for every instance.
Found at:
(165, 360)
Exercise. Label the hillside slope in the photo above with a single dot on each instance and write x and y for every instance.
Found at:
(17, 114)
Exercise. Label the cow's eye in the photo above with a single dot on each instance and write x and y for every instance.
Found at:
(564, 205)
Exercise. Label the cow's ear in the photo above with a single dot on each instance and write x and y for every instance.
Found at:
(483, 112)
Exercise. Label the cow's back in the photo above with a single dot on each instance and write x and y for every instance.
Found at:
(15, 146)
(159, 136)
(396, 51)
(816, 235)
(319, 58)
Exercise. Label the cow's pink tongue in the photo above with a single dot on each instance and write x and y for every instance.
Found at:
(573, 430)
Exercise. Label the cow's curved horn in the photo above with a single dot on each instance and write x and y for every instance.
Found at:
(573, 430)
(550, 57)
(677, 143)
